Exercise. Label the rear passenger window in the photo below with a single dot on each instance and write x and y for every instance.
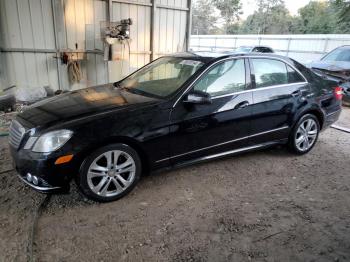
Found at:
(294, 76)
(269, 72)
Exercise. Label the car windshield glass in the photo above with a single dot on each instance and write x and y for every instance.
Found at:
(244, 49)
(161, 78)
(339, 54)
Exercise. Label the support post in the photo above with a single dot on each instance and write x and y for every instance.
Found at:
(153, 27)
(109, 11)
(58, 54)
(288, 47)
(189, 24)
(325, 45)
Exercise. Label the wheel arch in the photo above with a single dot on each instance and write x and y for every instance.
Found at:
(133, 143)
(314, 111)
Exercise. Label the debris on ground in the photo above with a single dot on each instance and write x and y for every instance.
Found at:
(5, 122)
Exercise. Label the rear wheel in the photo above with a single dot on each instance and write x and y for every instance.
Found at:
(304, 135)
(110, 173)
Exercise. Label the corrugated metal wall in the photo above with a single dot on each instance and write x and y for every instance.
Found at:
(170, 30)
(303, 48)
(3, 72)
(170, 27)
(34, 32)
(28, 33)
(80, 27)
(20, 31)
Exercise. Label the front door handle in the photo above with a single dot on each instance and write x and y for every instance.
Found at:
(242, 105)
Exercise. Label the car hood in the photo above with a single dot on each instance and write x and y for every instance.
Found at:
(81, 103)
(331, 65)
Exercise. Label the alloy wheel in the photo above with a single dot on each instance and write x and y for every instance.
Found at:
(111, 173)
(306, 134)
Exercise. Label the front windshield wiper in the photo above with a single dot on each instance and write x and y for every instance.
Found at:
(117, 84)
(133, 90)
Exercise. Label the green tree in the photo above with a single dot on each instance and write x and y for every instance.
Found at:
(272, 17)
(230, 10)
(345, 13)
(341, 9)
(264, 6)
(203, 18)
(316, 18)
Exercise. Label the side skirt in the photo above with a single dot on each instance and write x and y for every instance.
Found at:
(229, 153)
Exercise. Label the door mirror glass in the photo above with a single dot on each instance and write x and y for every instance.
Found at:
(197, 97)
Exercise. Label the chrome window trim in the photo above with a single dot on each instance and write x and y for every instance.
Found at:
(243, 149)
(249, 90)
(224, 143)
(258, 89)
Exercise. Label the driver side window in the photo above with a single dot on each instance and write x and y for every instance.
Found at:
(225, 78)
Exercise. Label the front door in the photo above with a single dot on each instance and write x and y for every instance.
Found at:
(199, 130)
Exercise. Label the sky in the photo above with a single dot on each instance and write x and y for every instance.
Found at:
(292, 5)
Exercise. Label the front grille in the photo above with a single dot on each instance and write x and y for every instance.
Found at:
(16, 134)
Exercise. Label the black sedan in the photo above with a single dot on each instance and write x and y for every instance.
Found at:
(336, 65)
(175, 111)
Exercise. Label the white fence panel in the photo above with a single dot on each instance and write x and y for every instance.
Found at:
(303, 48)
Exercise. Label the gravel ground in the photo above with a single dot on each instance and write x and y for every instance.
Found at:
(264, 206)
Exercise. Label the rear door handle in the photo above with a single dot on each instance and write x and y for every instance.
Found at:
(296, 93)
(242, 105)
(300, 92)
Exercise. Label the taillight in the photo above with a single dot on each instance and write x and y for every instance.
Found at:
(338, 93)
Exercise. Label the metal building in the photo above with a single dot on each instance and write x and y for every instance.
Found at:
(35, 33)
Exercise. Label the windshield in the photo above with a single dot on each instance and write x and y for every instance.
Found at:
(161, 78)
(340, 54)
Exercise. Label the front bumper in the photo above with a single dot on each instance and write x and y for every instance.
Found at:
(43, 188)
(51, 178)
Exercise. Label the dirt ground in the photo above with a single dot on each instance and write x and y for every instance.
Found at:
(264, 206)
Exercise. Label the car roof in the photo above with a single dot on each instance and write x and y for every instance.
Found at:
(253, 46)
(343, 47)
(206, 56)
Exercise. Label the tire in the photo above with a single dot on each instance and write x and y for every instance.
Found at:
(301, 142)
(109, 173)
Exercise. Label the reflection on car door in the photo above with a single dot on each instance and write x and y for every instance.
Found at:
(202, 130)
(278, 90)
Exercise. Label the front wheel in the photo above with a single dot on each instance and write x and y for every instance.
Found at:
(304, 135)
(110, 173)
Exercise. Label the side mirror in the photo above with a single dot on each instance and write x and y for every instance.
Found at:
(197, 97)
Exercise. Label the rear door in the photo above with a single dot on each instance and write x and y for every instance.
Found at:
(278, 91)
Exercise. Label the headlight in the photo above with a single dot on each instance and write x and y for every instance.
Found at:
(52, 141)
